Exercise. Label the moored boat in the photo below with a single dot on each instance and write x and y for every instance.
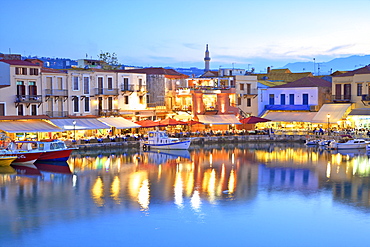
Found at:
(52, 149)
(160, 140)
(7, 160)
(348, 144)
(23, 156)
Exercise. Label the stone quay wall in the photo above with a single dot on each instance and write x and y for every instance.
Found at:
(202, 140)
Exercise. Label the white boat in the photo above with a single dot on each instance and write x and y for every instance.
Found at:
(160, 140)
(325, 142)
(350, 144)
(312, 142)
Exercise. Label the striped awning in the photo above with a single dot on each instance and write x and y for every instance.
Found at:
(80, 124)
(119, 123)
(28, 126)
(218, 119)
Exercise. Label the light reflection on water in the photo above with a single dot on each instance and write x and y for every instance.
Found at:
(211, 195)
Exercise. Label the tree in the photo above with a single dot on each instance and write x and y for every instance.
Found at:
(110, 59)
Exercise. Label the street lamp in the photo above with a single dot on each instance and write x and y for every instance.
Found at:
(328, 116)
(74, 130)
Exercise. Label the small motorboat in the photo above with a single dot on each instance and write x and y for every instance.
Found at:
(7, 160)
(160, 140)
(325, 142)
(51, 149)
(349, 144)
(312, 142)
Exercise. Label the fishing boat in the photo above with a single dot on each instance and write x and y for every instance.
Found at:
(7, 160)
(348, 144)
(51, 149)
(23, 156)
(160, 140)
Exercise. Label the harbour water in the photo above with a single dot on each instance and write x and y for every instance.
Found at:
(272, 194)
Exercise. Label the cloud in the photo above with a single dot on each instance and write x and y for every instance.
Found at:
(338, 48)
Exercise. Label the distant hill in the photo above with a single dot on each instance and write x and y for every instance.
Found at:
(326, 68)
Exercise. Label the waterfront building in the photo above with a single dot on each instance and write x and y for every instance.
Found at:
(20, 85)
(161, 87)
(295, 104)
(352, 88)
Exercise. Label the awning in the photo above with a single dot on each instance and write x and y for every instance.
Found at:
(218, 119)
(290, 116)
(119, 123)
(360, 112)
(81, 124)
(24, 126)
(337, 112)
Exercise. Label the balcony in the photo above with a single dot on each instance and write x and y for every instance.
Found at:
(128, 88)
(56, 92)
(57, 113)
(341, 98)
(28, 99)
(106, 91)
(248, 93)
(107, 112)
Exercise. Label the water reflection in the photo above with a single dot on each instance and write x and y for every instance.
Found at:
(113, 180)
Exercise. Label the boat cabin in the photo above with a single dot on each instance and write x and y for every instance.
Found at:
(159, 137)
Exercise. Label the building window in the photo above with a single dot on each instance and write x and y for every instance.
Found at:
(33, 110)
(87, 104)
(20, 71)
(239, 100)
(125, 84)
(249, 88)
(75, 105)
(241, 87)
(249, 102)
(76, 86)
(60, 82)
(2, 109)
(110, 83)
(20, 110)
(34, 71)
(291, 99)
(141, 99)
(86, 85)
(126, 100)
(271, 99)
(110, 103)
(359, 89)
(282, 99)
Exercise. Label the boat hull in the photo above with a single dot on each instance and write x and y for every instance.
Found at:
(59, 155)
(24, 157)
(7, 160)
(183, 145)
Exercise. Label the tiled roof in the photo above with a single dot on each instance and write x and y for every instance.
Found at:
(50, 70)
(19, 62)
(363, 70)
(282, 75)
(306, 82)
(272, 83)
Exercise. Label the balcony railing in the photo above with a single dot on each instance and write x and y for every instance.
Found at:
(106, 91)
(128, 88)
(28, 98)
(341, 98)
(57, 113)
(56, 92)
(365, 97)
(107, 112)
(246, 92)
(288, 107)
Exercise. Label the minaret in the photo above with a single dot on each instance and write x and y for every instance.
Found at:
(206, 60)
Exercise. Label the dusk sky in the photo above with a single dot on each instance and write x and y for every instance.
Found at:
(242, 34)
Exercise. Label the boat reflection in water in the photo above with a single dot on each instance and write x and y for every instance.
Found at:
(27, 170)
(61, 167)
(196, 191)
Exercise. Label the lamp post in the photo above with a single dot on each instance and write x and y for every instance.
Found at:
(74, 130)
(328, 116)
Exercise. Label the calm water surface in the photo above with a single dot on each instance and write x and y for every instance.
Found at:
(230, 195)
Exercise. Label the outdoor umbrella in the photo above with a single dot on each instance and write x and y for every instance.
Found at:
(192, 122)
(253, 120)
(170, 121)
(149, 124)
